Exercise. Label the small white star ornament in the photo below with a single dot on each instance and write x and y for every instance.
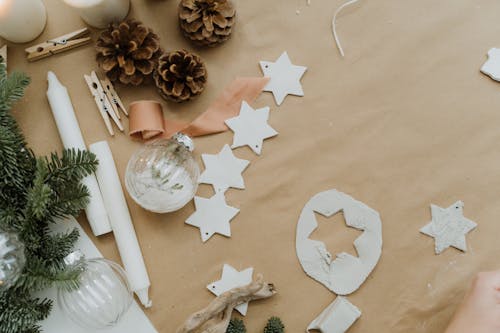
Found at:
(284, 77)
(449, 227)
(250, 128)
(230, 279)
(212, 216)
(223, 170)
(492, 66)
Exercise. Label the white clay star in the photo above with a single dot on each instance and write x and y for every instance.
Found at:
(284, 77)
(449, 227)
(251, 128)
(492, 66)
(212, 216)
(223, 170)
(231, 278)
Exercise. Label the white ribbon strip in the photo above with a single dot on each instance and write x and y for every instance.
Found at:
(334, 28)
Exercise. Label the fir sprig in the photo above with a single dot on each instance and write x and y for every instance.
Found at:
(34, 192)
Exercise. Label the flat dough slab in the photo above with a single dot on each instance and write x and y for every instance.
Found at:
(345, 273)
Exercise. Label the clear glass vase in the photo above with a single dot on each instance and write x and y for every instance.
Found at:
(102, 298)
(162, 176)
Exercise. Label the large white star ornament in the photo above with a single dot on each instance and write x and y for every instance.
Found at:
(492, 66)
(231, 278)
(449, 227)
(250, 128)
(284, 77)
(223, 170)
(212, 216)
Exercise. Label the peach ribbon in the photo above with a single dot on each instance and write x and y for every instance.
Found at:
(146, 117)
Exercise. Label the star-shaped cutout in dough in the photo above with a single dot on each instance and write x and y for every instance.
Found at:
(223, 170)
(492, 66)
(231, 278)
(212, 216)
(449, 227)
(250, 127)
(284, 77)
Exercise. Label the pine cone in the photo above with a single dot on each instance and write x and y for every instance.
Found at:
(180, 76)
(207, 22)
(128, 52)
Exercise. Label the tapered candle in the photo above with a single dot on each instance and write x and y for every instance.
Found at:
(71, 137)
(22, 20)
(121, 223)
(100, 13)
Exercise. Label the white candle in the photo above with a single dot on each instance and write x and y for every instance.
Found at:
(71, 137)
(121, 223)
(22, 21)
(100, 13)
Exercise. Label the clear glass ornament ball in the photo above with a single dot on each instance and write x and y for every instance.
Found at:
(102, 298)
(12, 259)
(162, 176)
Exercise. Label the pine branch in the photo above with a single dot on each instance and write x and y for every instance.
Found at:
(71, 199)
(33, 192)
(40, 195)
(19, 313)
(11, 88)
(72, 166)
(58, 246)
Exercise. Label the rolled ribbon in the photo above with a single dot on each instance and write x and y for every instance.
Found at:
(146, 117)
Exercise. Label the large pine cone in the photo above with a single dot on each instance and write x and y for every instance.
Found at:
(180, 76)
(128, 52)
(207, 22)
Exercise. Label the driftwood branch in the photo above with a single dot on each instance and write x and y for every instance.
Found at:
(216, 316)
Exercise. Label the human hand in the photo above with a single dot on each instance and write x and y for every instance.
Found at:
(480, 310)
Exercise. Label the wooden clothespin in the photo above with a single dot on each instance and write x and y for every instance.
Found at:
(104, 105)
(3, 55)
(115, 100)
(58, 45)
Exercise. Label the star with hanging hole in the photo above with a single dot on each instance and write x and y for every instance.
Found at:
(449, 227)
(250, 128)
(284, 77)
(212, 216)
(223, 170)
(231, 278)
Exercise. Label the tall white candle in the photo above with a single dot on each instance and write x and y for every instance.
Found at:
(71, 137)
(99, 13)
(22, 21)
(121, 223)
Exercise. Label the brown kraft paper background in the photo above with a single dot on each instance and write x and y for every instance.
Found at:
(404, 120)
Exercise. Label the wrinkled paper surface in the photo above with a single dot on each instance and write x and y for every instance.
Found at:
(404, 120)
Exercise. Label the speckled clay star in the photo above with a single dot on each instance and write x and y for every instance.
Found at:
(231, 278)
(251, 128)
(223, 170)
(285, 77)
(449, 227)
(212, 216)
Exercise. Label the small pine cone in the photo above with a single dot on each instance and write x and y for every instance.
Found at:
(180, 76)
(207, 22)
(128, 52)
